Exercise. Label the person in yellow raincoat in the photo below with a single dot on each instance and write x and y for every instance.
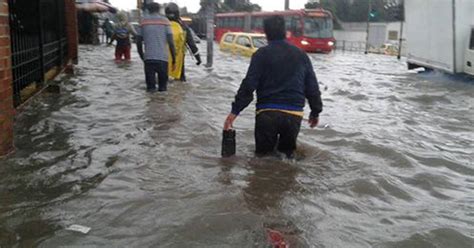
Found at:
(183, 39)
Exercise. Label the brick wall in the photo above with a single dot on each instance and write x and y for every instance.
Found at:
(71, 27)
(6, 91)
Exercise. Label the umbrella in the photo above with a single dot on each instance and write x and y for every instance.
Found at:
(94, 6)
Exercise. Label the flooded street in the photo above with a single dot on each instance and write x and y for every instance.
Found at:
(391, 164)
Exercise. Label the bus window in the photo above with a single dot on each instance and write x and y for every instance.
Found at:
(292, 24)
(315, 27)
(296, 26)
(228, 22)
(224, 22)
(257, 22)
(260, 23)
(240, 22)
(236, 22)
(288, 23)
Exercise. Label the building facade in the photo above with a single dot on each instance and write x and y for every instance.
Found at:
(38, 40)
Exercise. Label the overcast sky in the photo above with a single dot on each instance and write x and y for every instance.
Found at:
(193, 5)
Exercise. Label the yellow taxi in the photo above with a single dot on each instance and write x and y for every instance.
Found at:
(244, 44)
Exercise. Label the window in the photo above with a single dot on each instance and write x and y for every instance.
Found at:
(471, 45)
(229, 38)
(225, 22)
(317, 27)
(288, 23)
(257, 22)
(295, 26)
(219, 23)
(393, 35)
(240, 22)
(234, 22)
(259, 42)
(243, 41)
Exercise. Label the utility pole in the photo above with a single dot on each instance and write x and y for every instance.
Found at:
(402, 19)
(210, 10)
(369, 10)
(287, 4)
(400, 41)
(139, 9)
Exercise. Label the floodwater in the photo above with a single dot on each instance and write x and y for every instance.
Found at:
(391, 164)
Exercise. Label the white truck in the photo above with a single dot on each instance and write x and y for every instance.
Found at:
(440, 35)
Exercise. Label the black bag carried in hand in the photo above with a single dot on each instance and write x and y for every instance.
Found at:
(228, 143)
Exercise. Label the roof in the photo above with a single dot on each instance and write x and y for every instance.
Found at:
(248, 34)
(276, 12)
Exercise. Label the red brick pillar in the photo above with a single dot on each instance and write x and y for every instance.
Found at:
(72, 29)
(6, 91)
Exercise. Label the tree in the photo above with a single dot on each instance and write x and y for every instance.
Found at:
(312, 5)
(232, 6)
(357, 10)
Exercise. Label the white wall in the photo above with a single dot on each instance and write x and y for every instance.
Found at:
(379, 33)
(357, 31)
(343, 35)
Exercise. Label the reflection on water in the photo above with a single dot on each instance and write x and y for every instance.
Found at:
(390, 166)
(268, 182)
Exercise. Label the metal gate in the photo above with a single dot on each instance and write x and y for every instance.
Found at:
(38, 41)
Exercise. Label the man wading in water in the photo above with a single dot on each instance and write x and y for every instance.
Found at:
(157, 36)
(283, 77)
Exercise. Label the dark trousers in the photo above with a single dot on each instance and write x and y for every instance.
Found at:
(156, 67)
(278, 130)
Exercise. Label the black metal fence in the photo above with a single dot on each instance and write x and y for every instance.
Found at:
(38, 41)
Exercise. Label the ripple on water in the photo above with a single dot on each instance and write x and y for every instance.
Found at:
(143, 170)
(430, 99)
(442, 237)
(431, 183)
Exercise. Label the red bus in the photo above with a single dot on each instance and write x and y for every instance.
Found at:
(310, 30)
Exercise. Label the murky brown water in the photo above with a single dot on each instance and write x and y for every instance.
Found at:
(390, 166)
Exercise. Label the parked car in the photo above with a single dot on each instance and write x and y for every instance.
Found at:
(390, 49)
(244, 44)
(386, 49)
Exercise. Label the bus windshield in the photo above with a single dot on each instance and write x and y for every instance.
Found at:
(316, 27)
(259, 42)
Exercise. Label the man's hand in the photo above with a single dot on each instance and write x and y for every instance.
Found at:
(229, 121)
(173, 65)
(313, 122)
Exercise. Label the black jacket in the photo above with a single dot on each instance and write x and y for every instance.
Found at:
(283, 77)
